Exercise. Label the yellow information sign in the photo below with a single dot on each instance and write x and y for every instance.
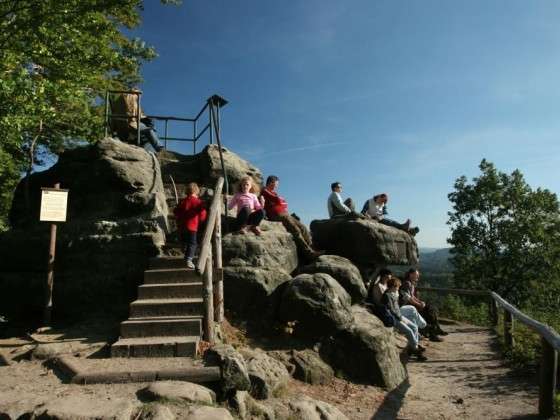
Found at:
(53, 205)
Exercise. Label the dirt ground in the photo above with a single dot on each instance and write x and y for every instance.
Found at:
(464, 378)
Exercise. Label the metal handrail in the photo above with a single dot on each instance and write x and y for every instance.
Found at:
(213, 120)
(550, 341)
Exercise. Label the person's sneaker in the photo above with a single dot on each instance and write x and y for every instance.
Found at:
(441, 332)
(414, 231)
(406, 225)
(242, 230)
(190, 264)
(421, 348)
(256, 230)
(420, 357)
(436, 339)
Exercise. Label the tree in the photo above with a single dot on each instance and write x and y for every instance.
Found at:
(57, 57)
(506, 236)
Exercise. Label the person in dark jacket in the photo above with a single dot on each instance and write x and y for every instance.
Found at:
(409, 296)
(403, 325)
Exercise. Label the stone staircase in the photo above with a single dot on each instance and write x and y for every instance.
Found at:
(166, 319)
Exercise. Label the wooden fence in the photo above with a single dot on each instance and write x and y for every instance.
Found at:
(209, 265)
(550, 340)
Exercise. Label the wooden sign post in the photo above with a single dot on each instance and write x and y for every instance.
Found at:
(53, 209)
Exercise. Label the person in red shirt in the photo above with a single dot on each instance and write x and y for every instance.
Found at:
(189, 213)
(276, 209)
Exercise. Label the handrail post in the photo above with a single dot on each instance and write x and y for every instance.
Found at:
(210, 120)
(508, 329)
(219, 283)
(547, 379)
(106, 113)
(493, 311)
(208, 301)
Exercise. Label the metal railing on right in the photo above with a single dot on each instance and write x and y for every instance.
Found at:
(550, 340)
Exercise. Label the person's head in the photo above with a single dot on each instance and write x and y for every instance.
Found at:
(393, 283)
(272, 182)
(384, 275)
(336, 186)
(381, 198)
(246, 185)
(412, 275)
(192, 188)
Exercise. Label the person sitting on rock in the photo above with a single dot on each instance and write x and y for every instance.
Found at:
(124, 122)
(375, 295)
(189, 213)
(409, 297)
(375, 208)
(391, 300)
(249, 208)
(336, 206)
(276, 209)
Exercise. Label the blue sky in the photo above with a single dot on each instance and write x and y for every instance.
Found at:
(392, 96)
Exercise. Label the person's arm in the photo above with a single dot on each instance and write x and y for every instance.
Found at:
(365, 208)
(339, 204)
(256, 203)
(233, 202)
(202, 213)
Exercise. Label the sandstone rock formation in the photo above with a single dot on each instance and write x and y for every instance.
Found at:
(268, 375)
(365, 351)
(318, 304)
(343, 271)
(116, 220)
(235, 376)
(365, 242)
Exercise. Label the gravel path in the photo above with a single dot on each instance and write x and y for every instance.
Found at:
(464, 378)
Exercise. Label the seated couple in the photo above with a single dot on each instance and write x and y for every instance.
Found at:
(411, 315)
(374, 208)
(251, 210)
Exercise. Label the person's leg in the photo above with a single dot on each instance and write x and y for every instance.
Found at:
(148, 135)
(350, 204)
(405, 330)
(190, 248)
(292, 226)
(305, 234)
(255, 217)
(242, 217)
(434, 318)
(389, 222)
(411, 313)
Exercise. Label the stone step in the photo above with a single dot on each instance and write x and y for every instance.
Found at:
(167, 262)
(170, 290)
(170, 275)
(166, 307)
(161, 327)
(155, 347)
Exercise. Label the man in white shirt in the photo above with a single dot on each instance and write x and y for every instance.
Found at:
(336, 206)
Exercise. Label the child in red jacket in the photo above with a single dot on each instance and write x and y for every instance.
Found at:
(189, 212)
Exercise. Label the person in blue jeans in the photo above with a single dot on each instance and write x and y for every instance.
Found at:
(406, 327)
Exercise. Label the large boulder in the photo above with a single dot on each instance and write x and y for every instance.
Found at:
(179, 391)
(343, 271)
(274, 249)
(205, 167)
(116, 221)
(303, 408)
(235, 376)
(248, 289)
(365, 351)
(318, 304)
(365, 241)
(268, 375)
(305, 365)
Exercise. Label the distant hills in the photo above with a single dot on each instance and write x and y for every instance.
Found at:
(434, 260)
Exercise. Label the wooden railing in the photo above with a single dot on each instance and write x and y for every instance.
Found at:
(550, 340)
(209, 265)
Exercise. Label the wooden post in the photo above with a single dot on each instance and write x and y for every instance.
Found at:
(208, 300)
(219, 284)
(508, 329)
(547, 386)
(47, 314)
(493, 312)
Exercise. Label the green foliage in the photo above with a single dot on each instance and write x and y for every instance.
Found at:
(506, 237)
(57, 57)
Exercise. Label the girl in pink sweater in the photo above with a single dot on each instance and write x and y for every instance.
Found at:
(249, 209)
